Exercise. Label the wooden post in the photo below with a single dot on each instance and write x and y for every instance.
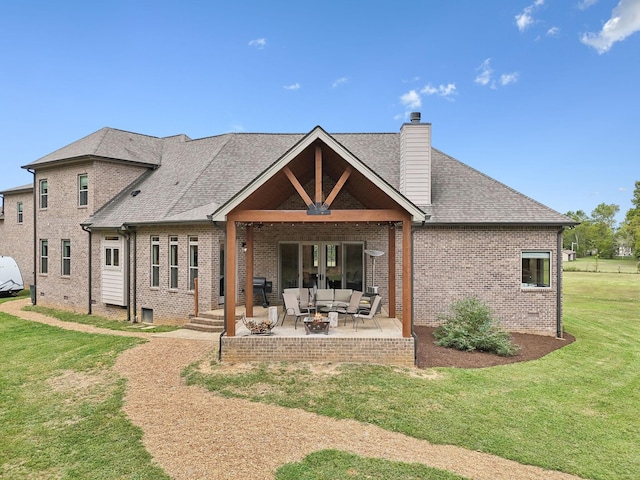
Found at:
(230, 279)
(195, 296)
(392, 270)
(248, 286)
(318, 175)
(407, 275)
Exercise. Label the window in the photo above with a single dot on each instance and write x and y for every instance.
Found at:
(536, 271)
(112, 257)
(173, 262)
(83, 190)
(20, 212)
(44, 193)
(193, 262)
(155, 261)
(66, 257)
(44, 256)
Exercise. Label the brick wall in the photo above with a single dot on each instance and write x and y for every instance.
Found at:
(169, 306)
(16, 239)
(61, 220)
(389, 351)
(453, 262)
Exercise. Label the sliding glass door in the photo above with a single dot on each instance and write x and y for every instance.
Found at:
(321, 265)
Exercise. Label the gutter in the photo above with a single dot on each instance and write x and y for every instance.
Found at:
(87, 229)
(559, 285)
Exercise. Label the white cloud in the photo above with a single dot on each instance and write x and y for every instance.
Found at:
(411, 99)
(339, 82)
(484, 77)
(259, 43)
(293, 86)
(584, 4)
(441, 90)
(507, 78)
(622, 189)
(524, 19)
(553, 32)
(624, 21)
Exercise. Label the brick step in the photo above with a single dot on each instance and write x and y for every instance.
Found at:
(207, 322)
(200, 327)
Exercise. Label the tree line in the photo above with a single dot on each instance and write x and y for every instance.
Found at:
(599, 235)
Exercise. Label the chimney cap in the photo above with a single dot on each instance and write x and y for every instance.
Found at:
(415, 117)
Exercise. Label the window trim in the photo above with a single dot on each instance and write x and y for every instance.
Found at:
(43, 202)
(174, 267)
(193, 262)
(20, 210)
(82, 191)
(44, 258)
(154, 280)
(65, 260)
(545, 255)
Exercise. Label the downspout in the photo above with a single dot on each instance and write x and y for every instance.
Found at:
(89, 267)
(559, 285)
(224, 328)
(124, 231)
(34, 296)
(135, 276)
(413, 334)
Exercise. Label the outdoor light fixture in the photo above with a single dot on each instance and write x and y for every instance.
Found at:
(244, 247)
(373, 254)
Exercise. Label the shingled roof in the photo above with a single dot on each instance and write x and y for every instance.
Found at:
(109, 143)
(196, 177)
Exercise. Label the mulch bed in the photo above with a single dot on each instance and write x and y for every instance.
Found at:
(531, 347)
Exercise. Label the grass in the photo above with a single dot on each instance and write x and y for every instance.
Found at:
(574, 410)
(338, 465)
(61, 406)
(98, 321)
(594, 264)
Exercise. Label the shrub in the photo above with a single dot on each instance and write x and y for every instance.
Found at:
(468, 325)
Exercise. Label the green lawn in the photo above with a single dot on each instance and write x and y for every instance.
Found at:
(594, 264)
(575, 410)
(61, 408)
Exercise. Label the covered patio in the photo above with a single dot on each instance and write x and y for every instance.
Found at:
(367, 344)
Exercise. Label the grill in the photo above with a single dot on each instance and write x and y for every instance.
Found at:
(262, 287)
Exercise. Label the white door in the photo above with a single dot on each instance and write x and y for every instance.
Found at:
(113, 271)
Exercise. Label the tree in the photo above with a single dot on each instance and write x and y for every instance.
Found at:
(630, 228)
(603, 218)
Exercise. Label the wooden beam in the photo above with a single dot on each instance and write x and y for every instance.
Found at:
(407, 294)
(338, 186)
(392, 270)
(318, 174)
(248, 284)
(230, 281)
(296, 184)
(301, 216)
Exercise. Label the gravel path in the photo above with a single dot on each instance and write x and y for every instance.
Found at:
(193, 434)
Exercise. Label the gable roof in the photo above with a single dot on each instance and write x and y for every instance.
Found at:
(318, 134)
(194, 179)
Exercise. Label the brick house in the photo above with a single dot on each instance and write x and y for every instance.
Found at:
(125, 224)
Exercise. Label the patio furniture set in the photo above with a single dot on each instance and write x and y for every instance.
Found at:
(310, 305)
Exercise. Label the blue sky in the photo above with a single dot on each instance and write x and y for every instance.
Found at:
(541, 95)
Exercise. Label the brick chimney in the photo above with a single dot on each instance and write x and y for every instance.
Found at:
(415, 161)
